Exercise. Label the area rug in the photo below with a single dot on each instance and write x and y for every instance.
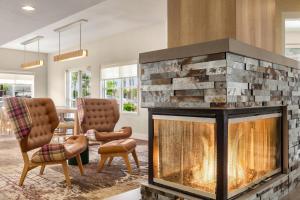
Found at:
(111, 181)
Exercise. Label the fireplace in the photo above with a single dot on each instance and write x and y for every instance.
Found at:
(224, 122)
(214, 153)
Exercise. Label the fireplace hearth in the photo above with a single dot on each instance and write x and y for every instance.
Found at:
(214, 153)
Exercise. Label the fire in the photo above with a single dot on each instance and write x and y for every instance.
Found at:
(236, 176)
(236, 173)
(209, 174)
(205, 176)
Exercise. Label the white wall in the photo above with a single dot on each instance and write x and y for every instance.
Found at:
(123, 48)
(10, 61)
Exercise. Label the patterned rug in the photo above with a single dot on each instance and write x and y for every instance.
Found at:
(111, 181)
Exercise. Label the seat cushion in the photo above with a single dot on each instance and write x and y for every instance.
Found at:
(125, 132)
(75, 145)
(117, 146)
(59, 152)
(49, 152)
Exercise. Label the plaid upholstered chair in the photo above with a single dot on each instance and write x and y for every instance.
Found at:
(99, 117)
(34, 122)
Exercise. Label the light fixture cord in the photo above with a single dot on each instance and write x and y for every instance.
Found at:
(38, 49)
(24, 53)
(80, 36)
(59, 42)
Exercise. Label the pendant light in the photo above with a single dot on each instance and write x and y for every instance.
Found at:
(35, 63)
(73, 54)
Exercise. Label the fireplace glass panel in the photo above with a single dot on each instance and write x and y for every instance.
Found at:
(184, 152)
(253, 150)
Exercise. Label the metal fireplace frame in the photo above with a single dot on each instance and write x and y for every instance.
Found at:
(222, 115)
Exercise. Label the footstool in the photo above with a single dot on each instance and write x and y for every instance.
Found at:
(118, 148)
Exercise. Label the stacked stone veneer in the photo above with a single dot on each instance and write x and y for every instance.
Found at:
(229, 80)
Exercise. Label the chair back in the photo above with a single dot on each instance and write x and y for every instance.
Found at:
(42, 117)
(99, 114)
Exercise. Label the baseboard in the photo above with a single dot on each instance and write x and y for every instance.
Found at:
(140, 136)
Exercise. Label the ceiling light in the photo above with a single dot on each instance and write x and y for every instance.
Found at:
(28, 8)
(32, 64)
(73, 54)
(35, 63)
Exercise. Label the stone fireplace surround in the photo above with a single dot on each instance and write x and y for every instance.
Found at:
(226, 74)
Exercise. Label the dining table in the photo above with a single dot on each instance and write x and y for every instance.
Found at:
(63, 110)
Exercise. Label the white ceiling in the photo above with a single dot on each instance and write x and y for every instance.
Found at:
(107, 18)
(15, 22)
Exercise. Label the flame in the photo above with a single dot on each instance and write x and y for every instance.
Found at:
(236, 175)
(205, 177)
(209, 174)
(209, 164)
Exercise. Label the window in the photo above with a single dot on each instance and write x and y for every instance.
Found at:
(121, 83)
(78, 85)
(18, 85)
(292, 41)
(293, 53)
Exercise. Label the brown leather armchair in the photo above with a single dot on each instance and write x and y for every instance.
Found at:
(34, 123)
(100, 117)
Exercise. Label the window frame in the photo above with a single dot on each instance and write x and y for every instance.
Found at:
(14, 83)
(68, 85)
(121, 79)
(104, 88)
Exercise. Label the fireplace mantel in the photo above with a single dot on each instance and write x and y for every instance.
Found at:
(229, 75)
(222, 73)
(215, 47)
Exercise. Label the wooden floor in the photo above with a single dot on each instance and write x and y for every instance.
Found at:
(135, 195)
(132, 195)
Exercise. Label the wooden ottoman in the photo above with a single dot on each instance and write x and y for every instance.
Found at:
(117, 148)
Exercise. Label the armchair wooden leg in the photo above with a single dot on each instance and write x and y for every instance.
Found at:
(24, 173)
(79, 163)
(42, 169)
(66, 172)
(110, 160)
(102, 162)
(135, 158)
(125, 157)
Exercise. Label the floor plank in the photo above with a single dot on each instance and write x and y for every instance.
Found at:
(132, 195)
